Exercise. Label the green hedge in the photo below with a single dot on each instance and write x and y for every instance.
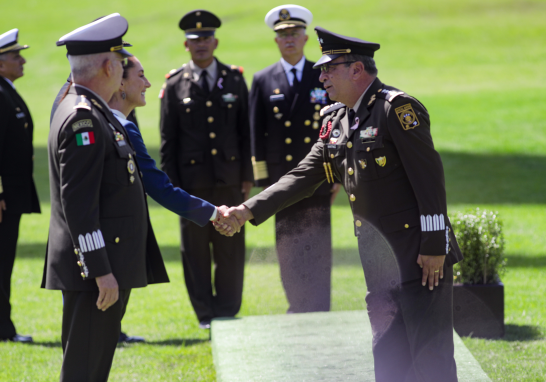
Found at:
(480, 237)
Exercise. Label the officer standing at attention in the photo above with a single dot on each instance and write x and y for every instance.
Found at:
(101, 243)
(17, 190)
(205, 150)
(377, 142)
(285, 101)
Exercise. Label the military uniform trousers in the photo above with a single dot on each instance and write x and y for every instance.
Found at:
(412, 326)
(228, 255)
(304, 249)
(9, 233)
(89, 335)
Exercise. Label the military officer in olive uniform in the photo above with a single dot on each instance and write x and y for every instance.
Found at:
(205, 150)
(17, 190)
(285, 100)
(378, 143)
(101, 243)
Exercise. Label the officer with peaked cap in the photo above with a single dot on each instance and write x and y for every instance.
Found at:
(285, 100)
(17, 190)
(205, 150)
(101, 243)
(377, 142)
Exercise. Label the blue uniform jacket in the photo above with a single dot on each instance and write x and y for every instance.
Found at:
(159, 187)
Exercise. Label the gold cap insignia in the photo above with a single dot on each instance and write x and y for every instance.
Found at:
(199, 25)
(284, 14)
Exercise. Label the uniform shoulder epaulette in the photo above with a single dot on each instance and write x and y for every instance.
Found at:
(174, 71)
(82, 103)
(330, 108)
(236, 68)
(388, 95)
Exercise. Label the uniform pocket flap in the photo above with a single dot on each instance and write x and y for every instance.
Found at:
(335, 151)
(231, 155)
(192, 157)
(117, 230)
(399, 221)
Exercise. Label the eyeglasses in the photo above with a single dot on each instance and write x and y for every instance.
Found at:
(325, 68)
(283, 35)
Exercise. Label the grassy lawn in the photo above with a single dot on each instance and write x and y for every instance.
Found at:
(476, 65)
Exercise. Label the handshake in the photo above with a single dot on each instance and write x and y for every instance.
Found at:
(229, 220)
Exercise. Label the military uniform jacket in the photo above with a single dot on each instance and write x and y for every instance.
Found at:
(205, 140)
(99, 217)
(390, 170)
(284, 126)
(17, 186)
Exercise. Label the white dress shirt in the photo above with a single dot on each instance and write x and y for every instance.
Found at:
(211, 72)
(287, 70)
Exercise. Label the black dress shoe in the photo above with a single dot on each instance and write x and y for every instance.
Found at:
(20, 338)
(204, 325)
(129, 339)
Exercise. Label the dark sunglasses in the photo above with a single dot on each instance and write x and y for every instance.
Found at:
(324, 68)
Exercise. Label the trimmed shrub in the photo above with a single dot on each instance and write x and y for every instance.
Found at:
(479, 234)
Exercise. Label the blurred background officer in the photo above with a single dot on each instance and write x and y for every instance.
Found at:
(285, 101)
(101, 243)
(205, 150)
(17, 190)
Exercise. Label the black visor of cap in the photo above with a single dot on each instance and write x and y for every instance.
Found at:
(334, 45)
(78, 48)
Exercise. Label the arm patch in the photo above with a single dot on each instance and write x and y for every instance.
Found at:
(407, 117)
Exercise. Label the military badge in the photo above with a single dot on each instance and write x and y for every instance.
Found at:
(82, 124)
(186, 100)
(382, 161)
(333, 141)
(229, 97)
(119, 138)
(372, 99)
(336, 133)
(278, 115)
(131, 166)
(318, 95)
(277, 91)
(277, 97)
(362, 163)
(369, 133)
(82, 104)
(407, 117)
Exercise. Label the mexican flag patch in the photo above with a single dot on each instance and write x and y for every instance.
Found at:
(84, 139)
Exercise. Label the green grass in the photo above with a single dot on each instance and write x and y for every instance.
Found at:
(476, 65)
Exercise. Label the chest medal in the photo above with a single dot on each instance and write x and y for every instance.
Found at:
(382, 161)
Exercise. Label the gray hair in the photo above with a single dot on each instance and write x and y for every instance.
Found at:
(86, 67)
(367, 61)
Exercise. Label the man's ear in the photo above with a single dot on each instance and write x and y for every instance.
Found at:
(186, 45)
(358, 70)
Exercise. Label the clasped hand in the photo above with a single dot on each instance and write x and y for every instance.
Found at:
(229, 221)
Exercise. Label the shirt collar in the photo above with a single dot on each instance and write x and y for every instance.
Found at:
(119, 115)
(211, 69)
(9, 82)
(95, 94)
(287, 67)
(357, 104)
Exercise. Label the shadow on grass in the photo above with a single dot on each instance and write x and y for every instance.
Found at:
(46, 344)
(526, 261)
(514, 333)
(470, 178)
(184, 342)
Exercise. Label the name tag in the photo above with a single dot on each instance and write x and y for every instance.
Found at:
(276, 97)
(20, 115)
